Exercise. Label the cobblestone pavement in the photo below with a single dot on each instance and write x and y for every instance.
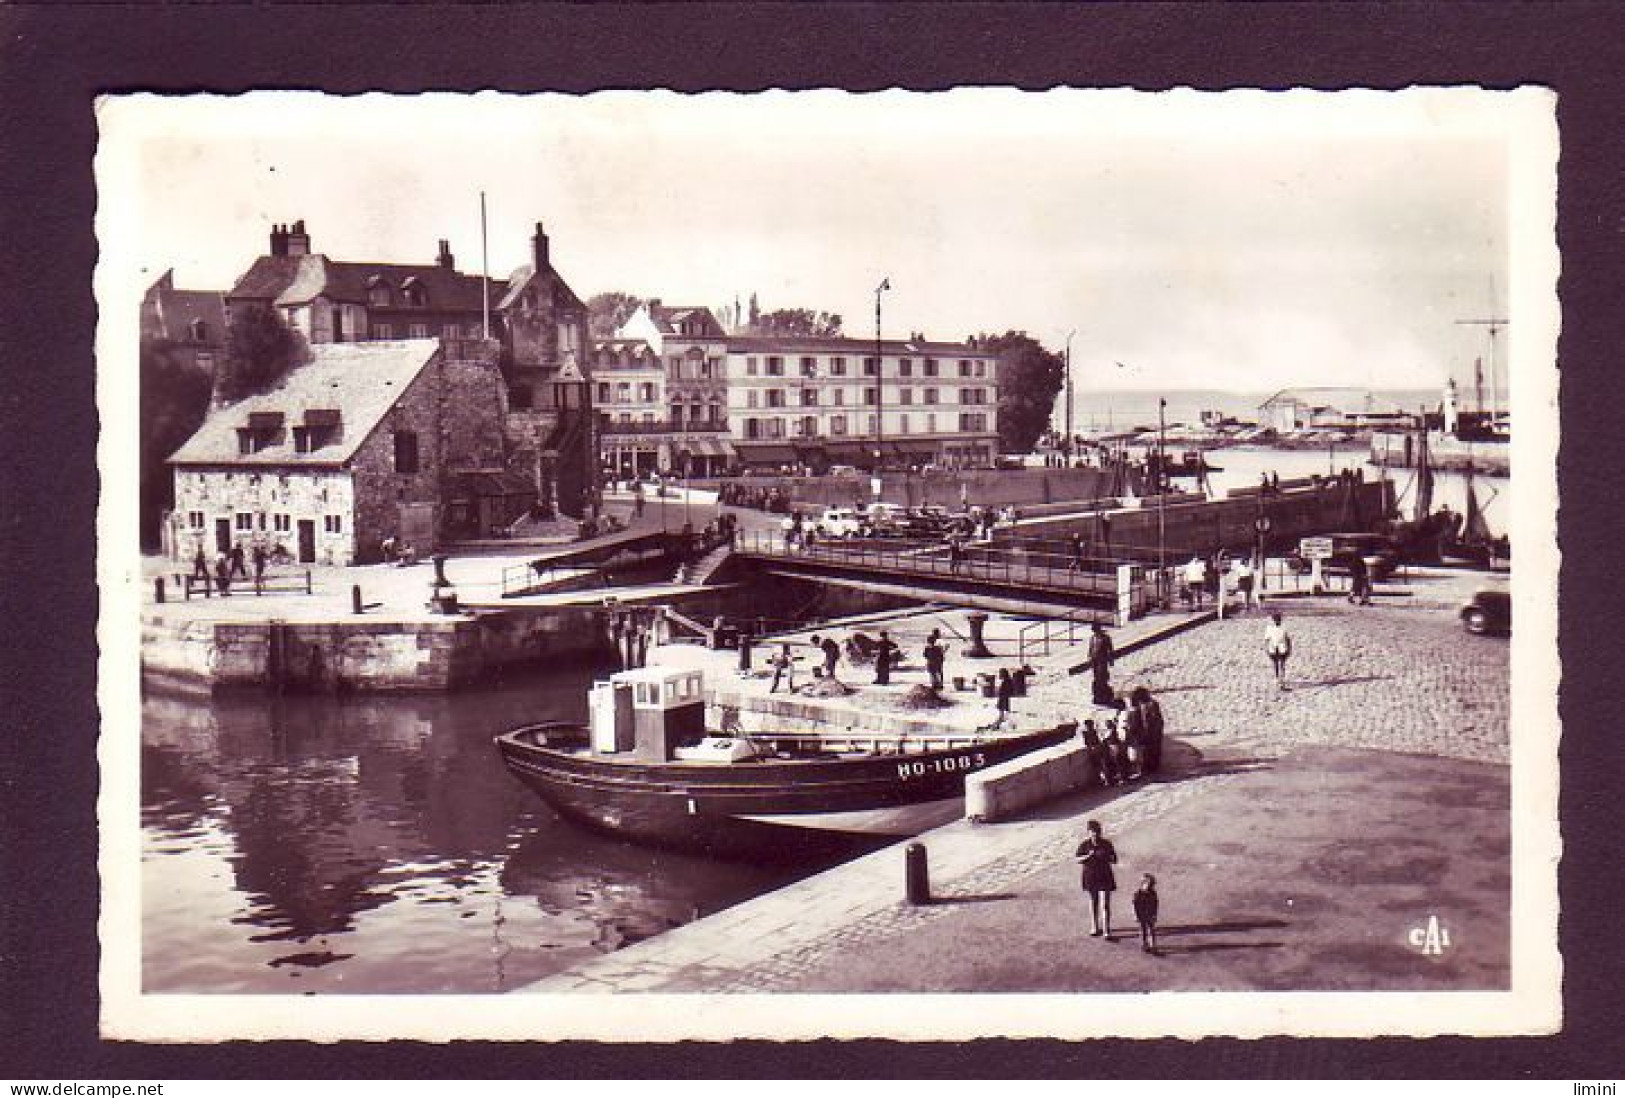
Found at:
(1387, 678)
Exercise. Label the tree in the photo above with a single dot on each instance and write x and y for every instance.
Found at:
(260, 350)
(1030, 376)
(798, 322)
(174, 399)
(607, 311)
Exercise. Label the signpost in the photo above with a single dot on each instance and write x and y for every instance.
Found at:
(1315, 550)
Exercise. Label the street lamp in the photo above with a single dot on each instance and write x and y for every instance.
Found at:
(1066, 446)
(1162, 496)
(880, 380)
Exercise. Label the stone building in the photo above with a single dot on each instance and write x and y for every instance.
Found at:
(662, 393)
(191, 322)
(537, 320)
(368, 441)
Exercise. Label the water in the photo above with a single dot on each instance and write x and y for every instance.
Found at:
(1096, 411)
(322, 845)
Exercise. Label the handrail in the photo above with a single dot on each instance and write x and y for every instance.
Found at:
(1072, 620)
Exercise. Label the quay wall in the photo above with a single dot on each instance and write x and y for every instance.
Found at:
(1000, 792)
(980, 487)
(362, 654)
(1331, 506)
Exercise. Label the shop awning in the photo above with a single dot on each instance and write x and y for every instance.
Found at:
(707, 447)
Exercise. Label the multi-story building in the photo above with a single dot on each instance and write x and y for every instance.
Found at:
(673, 358)
(395, 439)
(536, 318)
(817, 402)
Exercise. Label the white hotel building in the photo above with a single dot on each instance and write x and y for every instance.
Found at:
(674, 383)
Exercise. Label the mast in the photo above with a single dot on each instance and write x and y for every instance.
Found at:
(485, 277)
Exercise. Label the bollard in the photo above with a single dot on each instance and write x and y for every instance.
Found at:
(744, 650)
(916, 874)
(355, 598)
(158, 589)
(307, 581)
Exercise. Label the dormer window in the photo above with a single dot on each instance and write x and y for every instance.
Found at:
(199, 331)
(320, 428)
(378, 291)
(262, 431)
(414, 293)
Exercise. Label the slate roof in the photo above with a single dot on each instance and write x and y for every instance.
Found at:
(295, 280)
(793, 345)
(361, 380)
(176, 310)
(668, 317)
(564, 297)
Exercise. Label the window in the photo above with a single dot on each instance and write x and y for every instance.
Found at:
(262, 520)
(377, 292)
(245, 521)
(871, 367)
(775, 366)
(752, 399)
(520, 397)
(194, 519)
(675, 363)
(775, 428)
(840, 397)
(333, 524)
(281, 524)
(417, 331)
(981, 369)
(750, 366)
(809, 366)
(871, 396)
(712, 367)
(902, 424)
(753, 428)
(973, 421)
(414, 293)
(623, 392)
(964, 367)
(905, 396)
(450, 331)
(930, 396)
(383, 331)
(809, 426)
(649, 418)
(205, 360)
(646, 393)
(406, 452)
(930, 367)
(603, 392)
(905, 367)
(874, 424)
(775, 398)
(837, 425)
(199, 331)
(809, 398)
(676, 415)
(837, 367)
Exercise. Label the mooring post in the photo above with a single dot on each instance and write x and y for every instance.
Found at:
(158, 589)
(916, 874)
(355, 598)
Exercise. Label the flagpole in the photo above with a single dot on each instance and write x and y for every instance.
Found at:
(485, 277)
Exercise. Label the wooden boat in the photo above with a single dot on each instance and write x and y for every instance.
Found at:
(671, 784)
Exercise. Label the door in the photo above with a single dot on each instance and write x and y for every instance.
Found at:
(222, 535)
(307, 541)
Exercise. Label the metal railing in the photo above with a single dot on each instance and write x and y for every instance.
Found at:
(1074, 627)
(977, 563)
(209, 588)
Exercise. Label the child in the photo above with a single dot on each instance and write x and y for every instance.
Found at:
(1145, 912)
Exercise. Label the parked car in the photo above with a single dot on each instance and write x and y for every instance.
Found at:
(843, 471)
(1381, 553)
(1489, 610)
(839, 522)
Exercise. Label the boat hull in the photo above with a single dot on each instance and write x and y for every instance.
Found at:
(789, 807)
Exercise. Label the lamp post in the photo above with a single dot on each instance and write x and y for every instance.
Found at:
(1162, 496)
(1066, 447)
(880, 381)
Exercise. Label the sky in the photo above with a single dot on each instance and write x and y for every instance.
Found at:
(1242, 240)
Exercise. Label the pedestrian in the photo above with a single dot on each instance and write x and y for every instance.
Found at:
(1134, 738)
(259, 566)
(832, 655)
(935, 656)
(1122, 770)
(1278, 645)
(1097, 856)
(1095, 751)
(885, 652)
(1004, 692)
(238, 566)
(1151, 728)
(1195, 581)
(1359, 581)
(956, 554)
(222, 574)
(1243, 574)
(1101, 654)
(784, 667)
(637, 501)
(200, 566)
(1145, 912)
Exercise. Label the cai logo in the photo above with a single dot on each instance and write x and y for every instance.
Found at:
(1432, 939)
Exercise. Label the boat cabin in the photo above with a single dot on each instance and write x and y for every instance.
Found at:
(648, 713)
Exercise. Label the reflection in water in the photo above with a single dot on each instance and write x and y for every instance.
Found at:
(314, 844)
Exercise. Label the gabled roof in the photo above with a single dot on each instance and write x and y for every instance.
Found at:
(267, 277)
(298, 279)
(520, 280)
(361, 381)
(669, 318)
(175, 311)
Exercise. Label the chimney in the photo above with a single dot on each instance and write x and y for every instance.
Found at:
(445, 260)
(279, 240)
(298, 241)
(538, 250)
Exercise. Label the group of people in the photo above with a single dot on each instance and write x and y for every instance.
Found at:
(881, 652)
(754, 496)
(1096, 856)
(1203, 578)
(1130, 745)
(230, 564)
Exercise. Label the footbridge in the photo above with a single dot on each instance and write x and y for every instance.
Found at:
(986, 576)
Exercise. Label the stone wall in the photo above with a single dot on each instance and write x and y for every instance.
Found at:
(1000, 792)
(361, 654)
(275, 501)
